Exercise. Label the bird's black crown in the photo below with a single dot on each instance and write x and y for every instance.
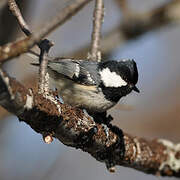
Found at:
(127, 69)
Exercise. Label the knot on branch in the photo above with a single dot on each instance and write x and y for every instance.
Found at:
(45, 45)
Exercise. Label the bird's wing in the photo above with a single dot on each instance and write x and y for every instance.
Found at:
(79, 71)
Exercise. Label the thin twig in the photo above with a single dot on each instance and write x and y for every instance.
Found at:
(43, 85)
(16, 12)
(42, 73)
(95, 53)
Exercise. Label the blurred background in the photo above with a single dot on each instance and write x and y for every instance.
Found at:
(154, 113)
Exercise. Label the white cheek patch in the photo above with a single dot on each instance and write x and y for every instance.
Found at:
(111, 79)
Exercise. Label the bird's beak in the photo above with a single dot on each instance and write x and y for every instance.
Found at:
(136, 89)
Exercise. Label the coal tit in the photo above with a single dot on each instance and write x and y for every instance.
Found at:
(94, 86)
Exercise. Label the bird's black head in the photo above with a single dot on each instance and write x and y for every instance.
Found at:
(118, 78)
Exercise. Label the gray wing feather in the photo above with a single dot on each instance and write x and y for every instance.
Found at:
(80, 71)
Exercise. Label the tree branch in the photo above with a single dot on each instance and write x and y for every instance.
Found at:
(14, 49)
(43, 85)
(16, 12)
(74, 128)
(95, 53)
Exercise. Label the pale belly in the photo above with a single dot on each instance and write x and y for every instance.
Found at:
(87, 97)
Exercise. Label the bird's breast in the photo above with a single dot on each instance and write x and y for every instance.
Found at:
(87, 97)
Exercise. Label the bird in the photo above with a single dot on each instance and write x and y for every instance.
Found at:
(91, 85)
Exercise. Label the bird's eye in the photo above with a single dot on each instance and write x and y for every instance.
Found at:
(125, 79)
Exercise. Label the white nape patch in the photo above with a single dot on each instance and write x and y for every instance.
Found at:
(171, 150)
(29, 102)
(111, 79)
(77, 70)
(124, 60)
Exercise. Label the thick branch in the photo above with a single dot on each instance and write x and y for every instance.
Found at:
(74, 128)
